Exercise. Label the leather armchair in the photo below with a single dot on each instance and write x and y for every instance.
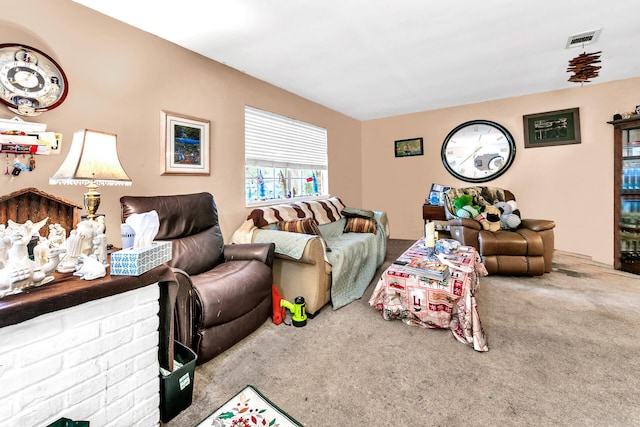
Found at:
(527, 250)
(224, 291)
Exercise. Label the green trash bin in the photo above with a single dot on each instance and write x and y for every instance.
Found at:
(66, 422)
(176, 388)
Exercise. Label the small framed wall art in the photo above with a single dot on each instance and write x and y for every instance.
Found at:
(559, 127)
(409, 147)
(185, 143)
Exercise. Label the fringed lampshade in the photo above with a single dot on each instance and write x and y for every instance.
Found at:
(92, 161)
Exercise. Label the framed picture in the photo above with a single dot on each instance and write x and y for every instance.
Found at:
(409, 147)
(552, 128)
(185, 144)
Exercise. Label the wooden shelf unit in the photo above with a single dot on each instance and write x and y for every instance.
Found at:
(626, 140)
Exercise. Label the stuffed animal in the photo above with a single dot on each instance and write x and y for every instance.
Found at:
(489, 218)
(464, 207)
(508, 220)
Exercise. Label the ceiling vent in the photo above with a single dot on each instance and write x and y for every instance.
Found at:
(583, 39)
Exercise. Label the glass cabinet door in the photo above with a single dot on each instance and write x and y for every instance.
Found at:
(630, 230)
(630, 196)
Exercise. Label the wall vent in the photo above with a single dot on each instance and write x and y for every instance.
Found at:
(583, 39)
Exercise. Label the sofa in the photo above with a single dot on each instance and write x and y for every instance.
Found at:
(525, 250)
(333, 263)
(224, 291)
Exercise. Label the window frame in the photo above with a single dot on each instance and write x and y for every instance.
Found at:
(270, 140)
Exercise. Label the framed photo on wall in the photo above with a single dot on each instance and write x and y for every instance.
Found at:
(552, 128)
(409, 147)
(185, 145)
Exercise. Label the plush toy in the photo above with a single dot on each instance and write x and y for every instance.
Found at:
(464, 207)
(489, 218)
(508, 220)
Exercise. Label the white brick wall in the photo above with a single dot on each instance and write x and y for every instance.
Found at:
(95, 362)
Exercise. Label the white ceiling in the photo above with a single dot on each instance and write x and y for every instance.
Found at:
(377, 58)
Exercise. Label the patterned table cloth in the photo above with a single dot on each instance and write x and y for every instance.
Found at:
(449, 303)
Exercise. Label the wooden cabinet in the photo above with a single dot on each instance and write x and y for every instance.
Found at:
(433, 213)
(626, 138)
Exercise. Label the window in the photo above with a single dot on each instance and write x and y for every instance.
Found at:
(284, 158)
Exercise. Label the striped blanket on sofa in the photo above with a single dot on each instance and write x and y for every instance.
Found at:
(323, 211)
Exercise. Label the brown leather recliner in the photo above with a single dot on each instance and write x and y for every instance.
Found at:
(224, 291)
(527, 250)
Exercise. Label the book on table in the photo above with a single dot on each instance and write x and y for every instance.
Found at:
(430, 269)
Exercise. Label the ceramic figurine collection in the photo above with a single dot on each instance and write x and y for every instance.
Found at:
(83, 252)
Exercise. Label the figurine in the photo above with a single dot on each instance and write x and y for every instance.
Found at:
(89, 268)
(73, 246)
(40, 251)
(100, 249)
(17, 270)
(29, 227)
(57, 235)
(86, 230)
(20, 236)
(20, 272)
(100, 225)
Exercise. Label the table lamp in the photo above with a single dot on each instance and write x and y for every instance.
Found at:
(92, 161)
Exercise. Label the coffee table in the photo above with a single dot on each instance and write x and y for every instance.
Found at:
(449, 303)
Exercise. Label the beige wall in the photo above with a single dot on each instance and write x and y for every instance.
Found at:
(120, 78)
(571, 184)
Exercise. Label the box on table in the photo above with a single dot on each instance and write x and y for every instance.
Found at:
(134, 262)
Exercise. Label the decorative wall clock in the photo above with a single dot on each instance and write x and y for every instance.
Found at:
(30, 80)
(478, 151)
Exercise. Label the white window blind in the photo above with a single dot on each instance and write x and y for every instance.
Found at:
(272, 140)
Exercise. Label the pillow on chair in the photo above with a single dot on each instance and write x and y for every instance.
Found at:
(360, 225)
(303, 226)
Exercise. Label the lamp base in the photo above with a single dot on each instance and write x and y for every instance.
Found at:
(92, 200)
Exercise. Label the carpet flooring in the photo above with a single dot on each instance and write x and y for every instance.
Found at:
(564, 350)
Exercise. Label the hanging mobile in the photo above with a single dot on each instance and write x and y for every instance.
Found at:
(32, 163)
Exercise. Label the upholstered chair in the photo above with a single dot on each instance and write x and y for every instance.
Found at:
(526, 250)
(224, 291)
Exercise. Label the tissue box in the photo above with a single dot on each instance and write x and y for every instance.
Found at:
(134, 262)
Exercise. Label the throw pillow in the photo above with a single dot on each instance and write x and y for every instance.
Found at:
(357, 213)
(303, 226)
(360, 225)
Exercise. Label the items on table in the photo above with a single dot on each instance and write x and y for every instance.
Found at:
(405, 292)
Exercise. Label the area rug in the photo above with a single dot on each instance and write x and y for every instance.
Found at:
(249, 408)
